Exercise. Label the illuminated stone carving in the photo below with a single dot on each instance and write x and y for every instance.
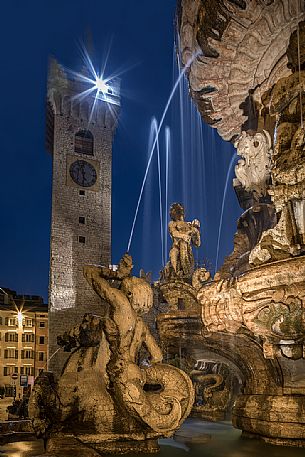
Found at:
(243, 46)
(106, 400)
(286, 103)
(184, 235)
(212, 395)
(254, 168)
(250, 77)
(269, 304)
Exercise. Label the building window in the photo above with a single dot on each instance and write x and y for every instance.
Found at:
(28, 322)
(82, 192)
(41, 340)
(11, 321)
(82, 239)
(84, 142)
(81, 220)
(42, 315)
(11, 337)
(42, 324)
(0, 320)
(7, 371)
(27, 370)
(28, 337)
(27, 354)
(10, 353)
(41, 356)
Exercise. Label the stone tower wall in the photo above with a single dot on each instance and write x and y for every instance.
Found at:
(70, 297)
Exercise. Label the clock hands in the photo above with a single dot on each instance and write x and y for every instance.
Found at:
(83, 173)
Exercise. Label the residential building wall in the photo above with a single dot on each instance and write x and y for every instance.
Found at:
(23, 339)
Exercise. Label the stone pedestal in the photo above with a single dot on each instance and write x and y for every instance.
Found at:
(65, 446)
(278, 419)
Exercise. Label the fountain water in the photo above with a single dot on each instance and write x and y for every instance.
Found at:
(233, 159)
(189, 172)
(167, 151)
(155, 124)
(51, 357)
(155, 142)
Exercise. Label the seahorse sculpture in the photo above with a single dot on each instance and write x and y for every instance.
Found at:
(202, 379)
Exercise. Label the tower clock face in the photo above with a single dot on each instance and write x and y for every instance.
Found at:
(83, 173)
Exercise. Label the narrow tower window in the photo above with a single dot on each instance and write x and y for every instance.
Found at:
(84, 142)
(81, 220)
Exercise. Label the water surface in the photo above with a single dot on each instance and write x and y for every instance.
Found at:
(216, 440)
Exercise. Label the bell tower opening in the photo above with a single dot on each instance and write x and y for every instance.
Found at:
(84, 143)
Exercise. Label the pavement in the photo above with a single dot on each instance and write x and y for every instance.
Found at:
(4, 403)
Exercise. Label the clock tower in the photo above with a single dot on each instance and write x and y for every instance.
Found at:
(79, 136)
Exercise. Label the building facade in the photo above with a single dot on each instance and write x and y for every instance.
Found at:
(79, 136)
(23, 341)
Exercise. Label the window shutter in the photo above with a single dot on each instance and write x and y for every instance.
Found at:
(5, 353)
(6, 321)
(6, 337)
(33, 337)
(23, 337)
(5, 371)
(16, 337)
(32, 354)
(16, 354)
(22, 353)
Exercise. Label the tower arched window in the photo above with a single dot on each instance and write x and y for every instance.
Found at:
(84, 142)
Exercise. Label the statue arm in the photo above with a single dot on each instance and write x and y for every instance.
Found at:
(196, 237)
(153, 348)
(177, 234)
(113, 296)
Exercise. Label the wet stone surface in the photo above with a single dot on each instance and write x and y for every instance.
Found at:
(218, 440)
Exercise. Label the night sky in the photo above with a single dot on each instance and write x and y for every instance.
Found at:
(141, 34)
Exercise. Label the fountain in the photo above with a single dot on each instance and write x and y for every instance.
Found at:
(247, 84)
(104, 400)
(240, 335)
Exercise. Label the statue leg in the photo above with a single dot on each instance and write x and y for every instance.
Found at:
(173, 255)
(187, 259)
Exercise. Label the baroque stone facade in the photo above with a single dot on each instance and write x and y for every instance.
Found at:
(80, 142)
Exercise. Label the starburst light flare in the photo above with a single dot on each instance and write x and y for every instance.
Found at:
(95, 85)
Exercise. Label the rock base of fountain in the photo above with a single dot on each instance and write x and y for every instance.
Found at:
(274, 418)
(69, 445)
(211, 415)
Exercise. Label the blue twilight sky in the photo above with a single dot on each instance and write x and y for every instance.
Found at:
(142, 37)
